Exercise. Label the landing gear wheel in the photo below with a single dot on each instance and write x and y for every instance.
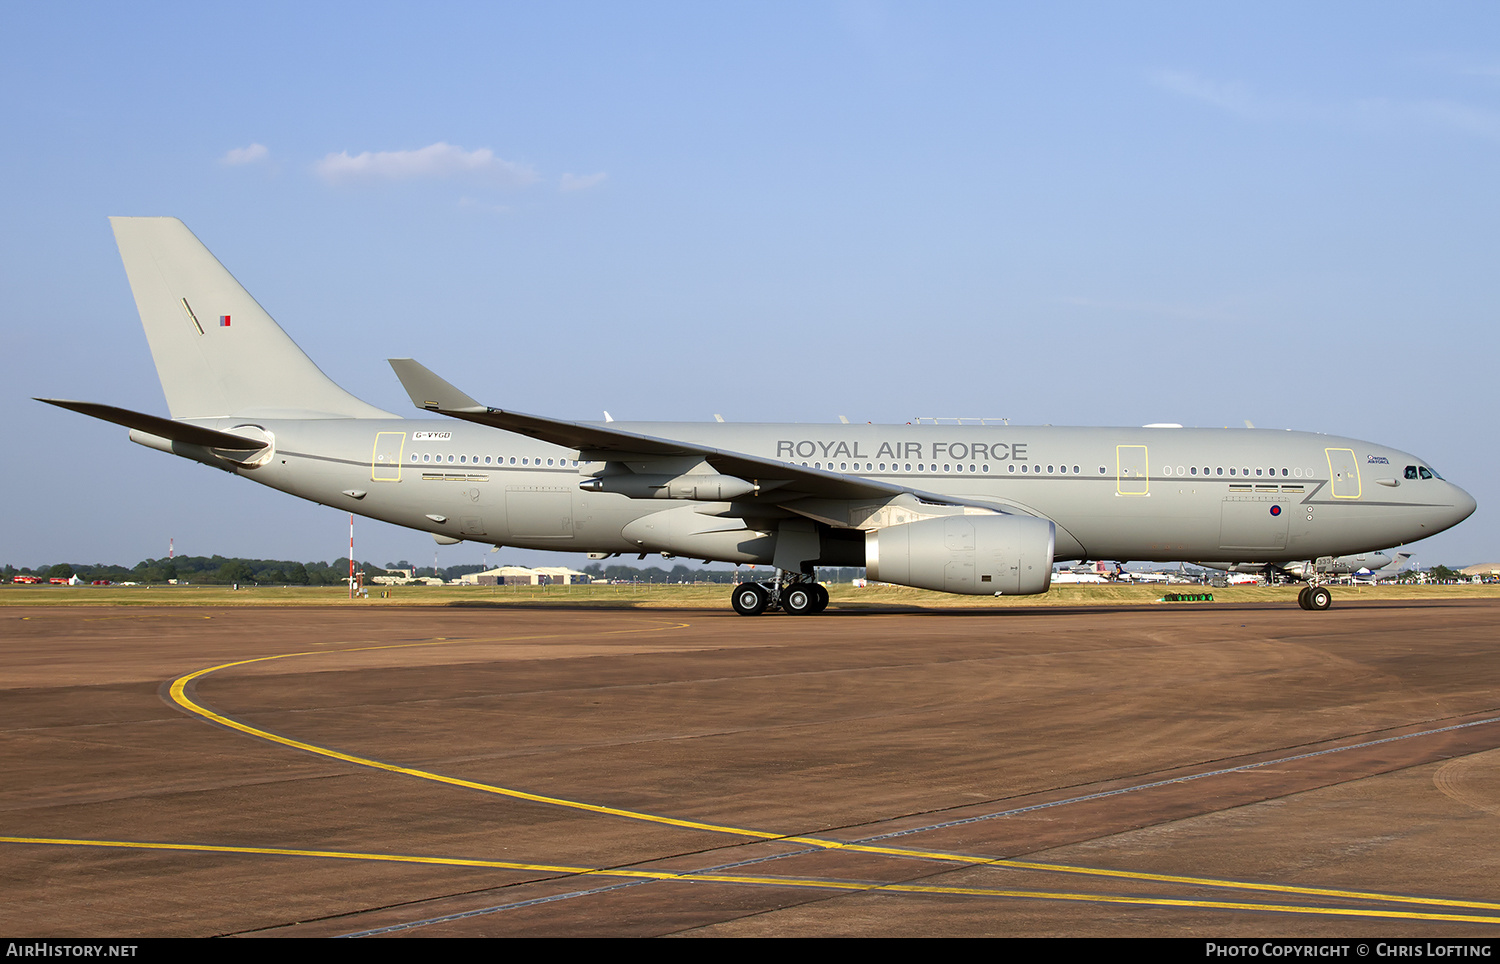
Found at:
(1319, 599)
(1302, 597)
(799, 600)
(820, 600)
(750, 599)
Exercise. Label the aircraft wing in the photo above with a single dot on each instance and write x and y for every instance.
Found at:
(779, 481)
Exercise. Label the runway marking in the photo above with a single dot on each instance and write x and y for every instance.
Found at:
(100, 619)
(1189, 778)
(802, 883)
(179, 694)
(1456, 779)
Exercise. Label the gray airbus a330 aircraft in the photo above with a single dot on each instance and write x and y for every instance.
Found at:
(976, 509)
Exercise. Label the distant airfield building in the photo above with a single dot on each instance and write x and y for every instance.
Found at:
(521, 576)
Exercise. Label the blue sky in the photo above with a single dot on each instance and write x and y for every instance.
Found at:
(1065, 214)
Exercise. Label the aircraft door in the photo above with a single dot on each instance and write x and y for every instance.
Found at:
(1343, 469)
(385, 460)
(1132, 472)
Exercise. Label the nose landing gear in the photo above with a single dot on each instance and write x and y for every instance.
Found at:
(1315, 598)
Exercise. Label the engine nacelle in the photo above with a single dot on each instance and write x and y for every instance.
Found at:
(687, 532)
(979, 555)
(697, 487)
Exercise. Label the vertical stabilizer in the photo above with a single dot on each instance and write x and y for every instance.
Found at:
(217, 352)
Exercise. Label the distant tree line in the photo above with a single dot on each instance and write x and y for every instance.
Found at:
(214, 570)
(222, 570)
(681, 574)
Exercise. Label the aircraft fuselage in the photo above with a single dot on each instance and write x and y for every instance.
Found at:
(1150, 494)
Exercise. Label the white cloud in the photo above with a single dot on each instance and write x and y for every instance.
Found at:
(581, 182)
(1151, 310)
(1382, 114)
(485, 206)
(245, 155)
(1231, 97)
(433, 161)
(1386, 114)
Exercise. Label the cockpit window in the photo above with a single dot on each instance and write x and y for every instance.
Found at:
(1426, 472)
(1411, 471)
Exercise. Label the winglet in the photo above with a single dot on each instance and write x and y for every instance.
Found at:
(429, 391)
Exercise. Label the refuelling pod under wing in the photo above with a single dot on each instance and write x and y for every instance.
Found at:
(979, 555)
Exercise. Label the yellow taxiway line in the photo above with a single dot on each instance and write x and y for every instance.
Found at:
(179, 694)
(804, 883)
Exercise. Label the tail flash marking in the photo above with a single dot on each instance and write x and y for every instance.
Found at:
(191, 317)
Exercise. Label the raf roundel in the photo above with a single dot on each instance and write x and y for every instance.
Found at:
(1276, 510)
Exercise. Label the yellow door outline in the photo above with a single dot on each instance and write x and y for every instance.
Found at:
(1350, 470)
(1132, 471)
(385, 464)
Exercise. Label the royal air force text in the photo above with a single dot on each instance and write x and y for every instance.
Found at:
(905, 451)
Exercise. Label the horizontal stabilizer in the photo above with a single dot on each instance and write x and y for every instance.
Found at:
(162, 427)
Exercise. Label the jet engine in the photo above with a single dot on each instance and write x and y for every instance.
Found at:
(979, 555)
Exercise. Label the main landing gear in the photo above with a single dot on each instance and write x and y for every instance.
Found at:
(1315, 598)
(792, 593)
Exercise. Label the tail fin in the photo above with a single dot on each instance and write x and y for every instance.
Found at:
(217, 352)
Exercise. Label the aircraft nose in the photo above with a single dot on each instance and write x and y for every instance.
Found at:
(1463, 505)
